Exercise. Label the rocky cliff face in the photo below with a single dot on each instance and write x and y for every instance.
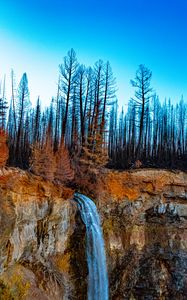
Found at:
(144, 217)
(42, 237)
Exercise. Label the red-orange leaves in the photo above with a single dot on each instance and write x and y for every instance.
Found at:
(4, 153)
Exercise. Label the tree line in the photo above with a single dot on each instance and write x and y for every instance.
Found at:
(151, 133)
(83, 119)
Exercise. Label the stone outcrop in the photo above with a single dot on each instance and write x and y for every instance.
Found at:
(144, 215)
(42, 237)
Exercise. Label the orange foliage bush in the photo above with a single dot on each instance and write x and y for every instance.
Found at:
(63, 170)
(49, 165)
(42, 161)
(4, 152)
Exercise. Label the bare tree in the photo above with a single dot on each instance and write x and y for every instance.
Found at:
(143, 93)
(3, 107)
(23, 106)
(67, 78)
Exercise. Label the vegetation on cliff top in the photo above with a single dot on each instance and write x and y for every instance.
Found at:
(83, 128)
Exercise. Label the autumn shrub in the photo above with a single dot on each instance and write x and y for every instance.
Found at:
(51, 166)
(63, 170)
(4, 152)
(42, 161)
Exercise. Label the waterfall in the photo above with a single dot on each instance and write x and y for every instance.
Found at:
(95, 251)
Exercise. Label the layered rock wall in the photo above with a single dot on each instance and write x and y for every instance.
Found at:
(144, 216)
(42, 237)
(39, 255)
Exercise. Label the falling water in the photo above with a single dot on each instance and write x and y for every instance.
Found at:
(96, 259)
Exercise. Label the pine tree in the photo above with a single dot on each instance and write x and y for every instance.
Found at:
(64, 171)
(42, 161)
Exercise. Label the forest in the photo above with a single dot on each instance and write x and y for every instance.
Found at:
(83, 121)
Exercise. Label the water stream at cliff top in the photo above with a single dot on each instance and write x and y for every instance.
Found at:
(95, 250)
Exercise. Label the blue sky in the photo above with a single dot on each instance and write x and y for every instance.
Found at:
(36, 35)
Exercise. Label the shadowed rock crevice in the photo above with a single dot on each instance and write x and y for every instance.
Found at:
(78, 263)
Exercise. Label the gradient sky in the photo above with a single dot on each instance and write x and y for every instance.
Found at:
(35, 35)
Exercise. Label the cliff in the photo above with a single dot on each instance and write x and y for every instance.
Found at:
(144, 217)
(39, 241)
(42, 237)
